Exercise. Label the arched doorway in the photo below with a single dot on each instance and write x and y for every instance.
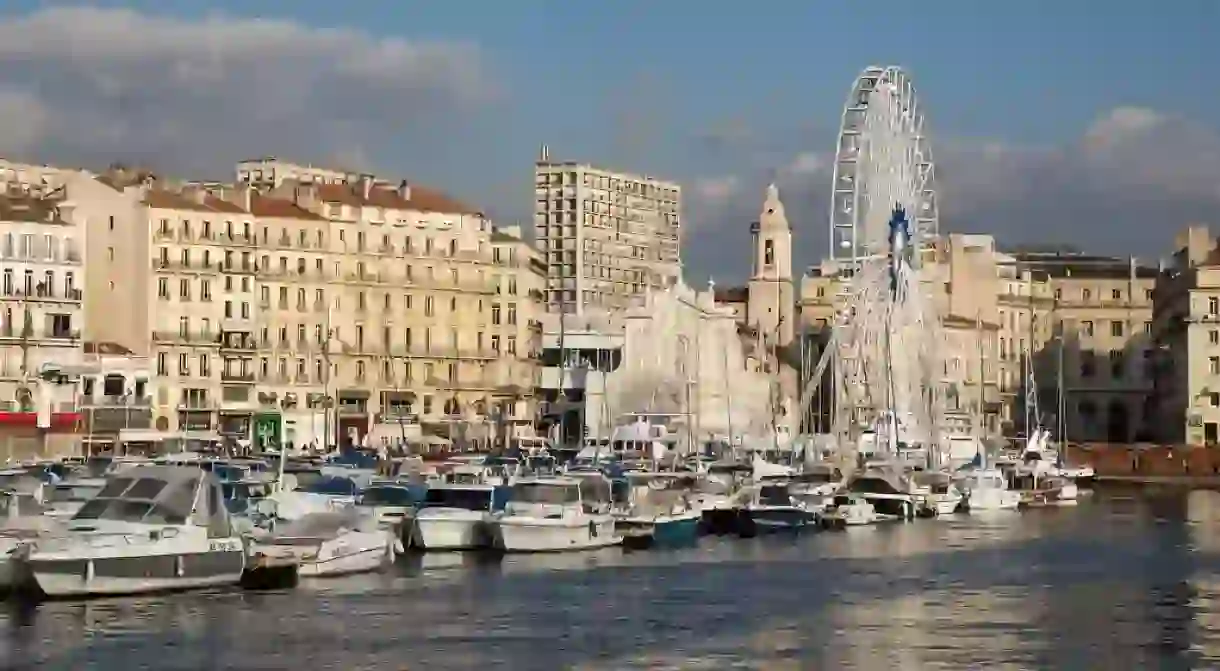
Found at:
(1118, 422)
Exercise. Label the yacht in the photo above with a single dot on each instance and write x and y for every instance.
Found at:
(392, 503)
(888, 488)
(22, 520)
(985, 489)
(771, 507)
(817, 484)
(331, 543)
(458, 517)
(1041, 485)
(849, 510)
(657, 510)
(155, 528)
(939, 494)
(557, 514)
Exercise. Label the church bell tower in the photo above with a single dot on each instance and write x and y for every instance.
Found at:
(771, 305)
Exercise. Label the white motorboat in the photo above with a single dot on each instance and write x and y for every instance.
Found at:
(849, 510)
(1041, 485)
(22, 521)
(155, 528)
(986, 489)
(557, 515)
(817, 484)
(457, 517)
(331, 543)
(939, 494)
(657, 510)
(392, 503)
(771, 507)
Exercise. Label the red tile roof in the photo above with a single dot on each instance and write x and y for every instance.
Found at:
(420, 198)
(266, 206)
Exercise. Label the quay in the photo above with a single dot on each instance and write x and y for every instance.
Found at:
(1192, 466)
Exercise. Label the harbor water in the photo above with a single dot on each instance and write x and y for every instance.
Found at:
(1125, 580)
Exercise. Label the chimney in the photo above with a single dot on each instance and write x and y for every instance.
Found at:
(404, 190)
(239, 195)
(366, 186)
(196, 193)
(305, 196)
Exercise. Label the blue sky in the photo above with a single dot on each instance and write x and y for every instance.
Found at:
(711, 90)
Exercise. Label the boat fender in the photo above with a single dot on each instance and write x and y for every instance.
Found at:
(179, 568)
(592, 529)
(89, 571)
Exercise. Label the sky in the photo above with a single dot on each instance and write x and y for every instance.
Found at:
(1082, 123)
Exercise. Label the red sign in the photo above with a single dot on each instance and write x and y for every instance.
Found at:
(59, 420)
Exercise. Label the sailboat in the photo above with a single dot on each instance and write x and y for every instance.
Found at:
(984, 486)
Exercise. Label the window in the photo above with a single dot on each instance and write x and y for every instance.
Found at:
(184, 365)
(1116, 294)
(162, 285)
(1213, 305)
(1086, 327)
(184, 289)
(1213, 337)
(495, 314)
(205, 367)
(162, 363)
(769, 253)
(1213, 365)
(1116, 328)
(205, 290)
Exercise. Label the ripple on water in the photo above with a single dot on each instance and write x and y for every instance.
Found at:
(1118, 582)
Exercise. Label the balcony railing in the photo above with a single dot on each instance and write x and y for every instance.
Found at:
(227, 376)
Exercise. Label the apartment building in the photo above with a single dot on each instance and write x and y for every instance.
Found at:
(270, 172)
(408, 306)
(42, 257)
(1100, 339)
(606, 236)
(521, 283)
(1186, 335)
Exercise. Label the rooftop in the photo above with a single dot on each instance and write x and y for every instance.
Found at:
(22, 208)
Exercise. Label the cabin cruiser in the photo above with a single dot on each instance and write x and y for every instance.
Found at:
(888, 488)
(557, 514)
(939, 494)
(771, 507)
(392, 503)
(849, 510)
(985, 489)
(331, 543)
(458, 517)
(817, 484)
(22, 520)
(719, 494)
(657, 509)
(156, 528)
(1041, 485)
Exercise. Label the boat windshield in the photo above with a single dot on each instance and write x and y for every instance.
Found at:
(817, 477)
(774, 495)
(536, 492)
(333, 486)
(468, 499)
(387, 496)
(70, 493)
(136, 499)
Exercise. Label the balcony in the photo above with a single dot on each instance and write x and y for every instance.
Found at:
(113, 400)
(230, 376)
(196, 404)
(203, 338)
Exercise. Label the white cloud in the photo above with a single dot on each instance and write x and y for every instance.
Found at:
(94, 85)
(1127, 184)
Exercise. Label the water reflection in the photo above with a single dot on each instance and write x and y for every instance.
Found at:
(1121, 581)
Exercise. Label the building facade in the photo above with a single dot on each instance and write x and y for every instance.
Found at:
(1186, 334)
(606, 237)
(43, 269)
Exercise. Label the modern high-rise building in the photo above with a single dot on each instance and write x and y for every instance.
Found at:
(605, 236)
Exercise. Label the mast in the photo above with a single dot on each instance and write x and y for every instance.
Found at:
(728, 399)
(978, 416)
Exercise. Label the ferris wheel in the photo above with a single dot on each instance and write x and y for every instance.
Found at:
(883, 162)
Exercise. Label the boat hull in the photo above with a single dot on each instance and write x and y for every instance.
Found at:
(346, 554)
(528, 534)
(67, 577)
(660, 531)
(451, 532)
(774, 519)
(984, 500)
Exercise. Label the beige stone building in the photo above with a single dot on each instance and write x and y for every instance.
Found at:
(1186, 333)
(290, 311)
(521, 286)
(1001, 316)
